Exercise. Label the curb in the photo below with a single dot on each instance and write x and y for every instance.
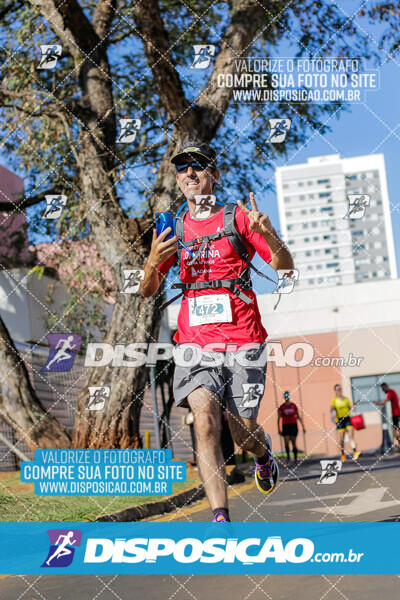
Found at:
(151, 509)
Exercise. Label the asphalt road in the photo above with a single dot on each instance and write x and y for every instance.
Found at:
(368, 491)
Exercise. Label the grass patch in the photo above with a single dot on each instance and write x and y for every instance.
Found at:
(19, 503)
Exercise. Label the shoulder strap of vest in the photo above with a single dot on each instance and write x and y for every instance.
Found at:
(179, 230)
(233, 235)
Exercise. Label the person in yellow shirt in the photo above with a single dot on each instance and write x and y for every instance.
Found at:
(341, 409)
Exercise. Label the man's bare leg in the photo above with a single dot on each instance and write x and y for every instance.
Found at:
(247, 434)
(206, 408)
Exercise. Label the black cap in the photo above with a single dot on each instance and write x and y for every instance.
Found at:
(195, 149)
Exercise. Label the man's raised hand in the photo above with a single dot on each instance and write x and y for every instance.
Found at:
(259, 222)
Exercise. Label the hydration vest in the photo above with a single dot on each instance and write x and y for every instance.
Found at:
(234, 237)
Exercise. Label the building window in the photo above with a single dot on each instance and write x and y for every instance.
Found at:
(303, 212)
(324, 195)
(285, 186)
(332, 265)
(300, 184)
(308, 253)
(307, 239)
(321, 181)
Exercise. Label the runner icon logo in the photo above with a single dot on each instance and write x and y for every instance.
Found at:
(286, 281)
(50, 55)
(279, 129)
(128, 130)
(97, 397)
(61, 352)
(252, 394)
(330, 470)
(202, 56)
(54, 206)
(63, 543)
(204, 204)
(357, 206)
(132, 278)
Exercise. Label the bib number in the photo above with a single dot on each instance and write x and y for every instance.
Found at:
(215, 308)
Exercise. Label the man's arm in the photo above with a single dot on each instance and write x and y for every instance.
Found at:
(279, 422)
(381, 402)
(301, 420)
(160, 252)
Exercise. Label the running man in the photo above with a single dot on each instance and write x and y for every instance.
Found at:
(341, 409)
(289, 415)
(223, 316)
(392, 397)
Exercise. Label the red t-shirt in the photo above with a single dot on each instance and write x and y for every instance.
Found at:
(288, 412)
(219, 260)
(394, 401)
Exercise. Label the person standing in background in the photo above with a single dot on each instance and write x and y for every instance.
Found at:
(392, 397)
(289, 414)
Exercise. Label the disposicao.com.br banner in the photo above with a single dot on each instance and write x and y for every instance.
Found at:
(156, 548)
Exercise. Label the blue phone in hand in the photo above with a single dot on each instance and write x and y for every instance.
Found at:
(163, 221)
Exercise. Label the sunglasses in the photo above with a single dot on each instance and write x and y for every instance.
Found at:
(196, 166)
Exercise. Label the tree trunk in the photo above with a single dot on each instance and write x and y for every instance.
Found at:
(19, 405)
(117, 425)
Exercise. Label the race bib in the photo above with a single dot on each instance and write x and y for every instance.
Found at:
(213, 308)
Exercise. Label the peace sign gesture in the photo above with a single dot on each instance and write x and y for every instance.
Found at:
(259, 223)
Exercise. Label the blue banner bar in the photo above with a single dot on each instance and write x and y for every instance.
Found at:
(199, 548)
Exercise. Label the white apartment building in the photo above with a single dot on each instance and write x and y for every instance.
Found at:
(328, 248)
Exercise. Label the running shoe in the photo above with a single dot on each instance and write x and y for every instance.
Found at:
(356, 454)
(220, 518)
(343, 458)
(266, 476)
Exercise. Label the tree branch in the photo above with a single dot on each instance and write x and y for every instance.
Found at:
(103, 17)
(247, 19)
(70, 24)
(150, 27)
(25, 201)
